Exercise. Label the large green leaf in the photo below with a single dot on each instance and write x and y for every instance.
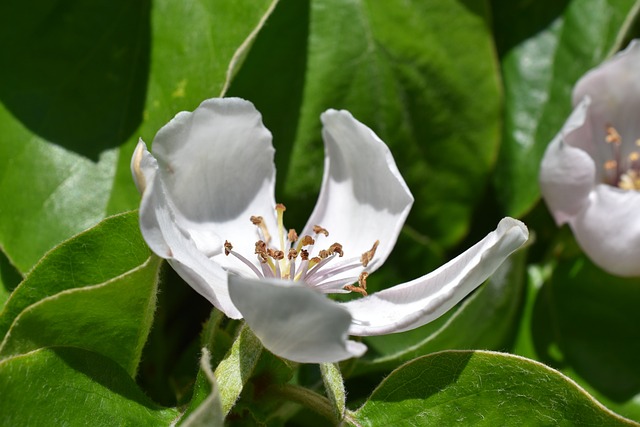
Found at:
(481, 388)
(108, 250)
(81, 82)
(584, 322)
(545, 49)
(432, 99)
(112, 318)
(74, 387)
(483, 321)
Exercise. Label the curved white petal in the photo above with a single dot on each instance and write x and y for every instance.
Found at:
(608, 230)
(614, 87)
(143, 166)
(162, 233)
(363, 196)
(293, 321)
(413, 304)
(567, 173)
(216, 164)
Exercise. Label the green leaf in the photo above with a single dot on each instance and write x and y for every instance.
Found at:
(70, 386)
(334, 386)
(433, 100)
(81, 83)
(112, 319)
(485, 320)
(583, 321)
(9, 279)
(95, 256)
(481, 387)
(540, 68)
(236, 368)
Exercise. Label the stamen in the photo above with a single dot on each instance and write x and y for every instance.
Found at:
(362, 280)
(280, 214)
(356, 289)
(336, 248)
(259, 221)
(324, 254)
(305, 241)
(228, 250)
(319, 230)
(366, 257)
(613, 137)
(292, 236)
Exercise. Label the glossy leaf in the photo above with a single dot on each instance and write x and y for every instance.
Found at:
(81, 83)
(481, 387)
(540, 68)
(70, 386)
(583, 322)
(430, 98)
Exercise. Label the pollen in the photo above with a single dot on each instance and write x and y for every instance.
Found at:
(621, 171)
(366, 257)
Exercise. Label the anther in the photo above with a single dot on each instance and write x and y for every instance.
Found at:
(324, 254)
(336, 248)
(362, 280)
(227, 247)
(306, 241)
(366, 257)
(319, 230)
(259, 222)
(275, 254)
(356, 289)
(613, 137)
(304, 255)
(292, 236)
(293, 254)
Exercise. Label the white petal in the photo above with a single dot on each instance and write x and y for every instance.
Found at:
(608, 230)
(614, 87)
(293, 321)
(422, 300)
(363, 196)
(161, 231)
(217, 167)
(567, 173)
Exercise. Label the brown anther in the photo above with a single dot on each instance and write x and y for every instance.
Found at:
(261, 251)
(613, 137)
(307, 240)
(336, 248)
(319, 230)
(293, 254)
(610, 164)
(292, 236)
(227, 247)
(304, 255)
(362, 279)
(366, 257)
(256, 220)
(313, 261)
(356, 289)
(280, 207)
(275, 254)
(324, 254)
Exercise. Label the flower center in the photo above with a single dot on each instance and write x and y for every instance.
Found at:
(290, 258)
(622, 171)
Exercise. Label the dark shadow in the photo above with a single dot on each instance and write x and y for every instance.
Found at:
(75, 72)
(587, 320)
(104, 371)
(514, 21)
(169, 361)
(273, 74)
(10, 277)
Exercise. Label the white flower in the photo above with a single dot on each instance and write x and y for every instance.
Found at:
(590, 173)
(208, 208)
